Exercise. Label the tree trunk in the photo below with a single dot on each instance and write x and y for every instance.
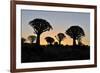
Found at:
(59, 42)
(50, 43)
(38, 39)
(74, 42)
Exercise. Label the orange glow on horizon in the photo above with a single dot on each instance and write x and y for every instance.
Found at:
(66, 41)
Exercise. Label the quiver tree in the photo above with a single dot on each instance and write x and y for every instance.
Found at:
(49, 40)
(75, 32)
(31, 38)
(40, 26)
(60, 37)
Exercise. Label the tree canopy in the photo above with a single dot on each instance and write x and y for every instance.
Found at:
(60, 37)
(75, 32)
(49, 40)
(31, 38)
(40, 25)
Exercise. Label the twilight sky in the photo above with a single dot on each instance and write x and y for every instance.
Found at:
(60, 22)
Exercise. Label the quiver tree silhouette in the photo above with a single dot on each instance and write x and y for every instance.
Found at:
(31, 38)
(60, 37)
(75, 32)
(49, 40)
(40, 26)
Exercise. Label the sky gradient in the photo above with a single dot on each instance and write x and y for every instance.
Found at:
(60, 21)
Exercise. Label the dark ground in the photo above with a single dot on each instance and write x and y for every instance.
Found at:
(44, 53)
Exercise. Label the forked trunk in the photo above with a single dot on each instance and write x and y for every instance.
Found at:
(74, 42)
(38, 39)
(59, 42)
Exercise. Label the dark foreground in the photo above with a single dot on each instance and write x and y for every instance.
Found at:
(34, 53)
